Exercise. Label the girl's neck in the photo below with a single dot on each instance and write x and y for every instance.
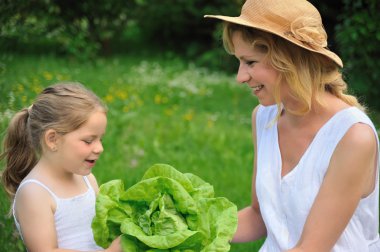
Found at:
(45, 167)
(63, 183)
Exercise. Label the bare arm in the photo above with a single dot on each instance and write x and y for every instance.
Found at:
(250, 223)
(350, 177)
(35, 213)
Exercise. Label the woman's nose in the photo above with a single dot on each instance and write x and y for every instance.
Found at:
(242, 75)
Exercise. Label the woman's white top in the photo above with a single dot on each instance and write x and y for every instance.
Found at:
(285, 202)
(73, 218)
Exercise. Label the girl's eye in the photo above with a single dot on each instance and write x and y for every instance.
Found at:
(87, 141)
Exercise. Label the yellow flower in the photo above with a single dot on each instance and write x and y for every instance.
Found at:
(47, 75)
(36, 88)
(168, 112)
(157, 99)
(20, 88)
(189, 115)
(139, 102)
(59, 77)
(123, 95)
(210, 123)
(109, 98)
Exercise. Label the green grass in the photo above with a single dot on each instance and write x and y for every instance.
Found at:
(161, 110)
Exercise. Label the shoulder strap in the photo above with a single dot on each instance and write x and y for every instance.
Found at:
(38, 183)
(85, 178)
(28, 181)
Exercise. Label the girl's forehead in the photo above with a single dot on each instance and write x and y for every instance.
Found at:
(95, 124)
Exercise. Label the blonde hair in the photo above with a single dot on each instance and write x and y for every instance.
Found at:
(63, 107)
(307, 73)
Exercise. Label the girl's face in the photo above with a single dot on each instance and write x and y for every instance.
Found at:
(253, 70)
(79, 150)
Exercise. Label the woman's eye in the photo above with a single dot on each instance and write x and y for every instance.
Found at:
(250, 63)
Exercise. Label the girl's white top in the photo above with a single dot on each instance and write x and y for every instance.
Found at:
(285, 202)
(73, 217)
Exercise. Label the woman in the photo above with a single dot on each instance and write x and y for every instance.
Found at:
(315, 183)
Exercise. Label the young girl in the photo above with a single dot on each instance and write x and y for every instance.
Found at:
(315, 183)
(50, 149)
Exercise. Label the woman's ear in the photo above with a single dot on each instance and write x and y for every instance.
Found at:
(51, 137)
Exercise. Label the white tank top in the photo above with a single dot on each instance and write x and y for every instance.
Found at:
(73, 217)
(285, 202)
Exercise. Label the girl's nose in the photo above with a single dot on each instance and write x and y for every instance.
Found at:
(99, 147)
(242, 75)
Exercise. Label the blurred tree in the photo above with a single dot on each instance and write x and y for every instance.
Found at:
(19, 20)
(329, 11)
(86, 29)
(81, 28)
(358, 38)
(179, 24)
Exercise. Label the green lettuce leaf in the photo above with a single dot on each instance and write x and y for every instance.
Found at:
(166, 211)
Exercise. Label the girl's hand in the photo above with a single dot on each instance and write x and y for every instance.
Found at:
(115, 246)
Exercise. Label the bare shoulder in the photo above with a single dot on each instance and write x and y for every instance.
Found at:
(33, 192)
(93, 182)
(35, 208)
(32, 199)
(358, 144)
(360, 136)
(355, 157)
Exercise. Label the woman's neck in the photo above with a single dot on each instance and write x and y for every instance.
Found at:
(318, 112)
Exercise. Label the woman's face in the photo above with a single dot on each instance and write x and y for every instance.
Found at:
(254, 70)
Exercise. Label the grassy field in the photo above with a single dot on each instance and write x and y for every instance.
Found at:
(161, 110)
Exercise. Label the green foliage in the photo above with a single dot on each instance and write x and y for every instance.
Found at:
(82, 29)
(179, 24)
(161, 110)
(358, 37)
(9, 237)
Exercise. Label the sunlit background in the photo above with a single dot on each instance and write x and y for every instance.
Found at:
(169, 85)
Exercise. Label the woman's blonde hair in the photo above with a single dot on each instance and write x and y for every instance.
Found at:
(307, 73)
(63, 107)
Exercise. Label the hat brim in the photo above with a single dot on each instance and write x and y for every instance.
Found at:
(241, 21)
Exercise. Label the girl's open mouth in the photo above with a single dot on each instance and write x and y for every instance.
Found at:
(91, 161)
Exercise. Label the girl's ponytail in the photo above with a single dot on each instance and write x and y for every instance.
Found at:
(18, 152)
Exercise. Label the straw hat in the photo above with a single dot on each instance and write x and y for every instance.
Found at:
(297, 21)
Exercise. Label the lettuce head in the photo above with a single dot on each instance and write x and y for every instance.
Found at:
(166, 211)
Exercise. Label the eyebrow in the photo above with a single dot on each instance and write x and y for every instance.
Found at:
(94, 136)
(248, 58)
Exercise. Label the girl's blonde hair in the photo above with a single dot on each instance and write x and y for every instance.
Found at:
(307, 73)
(63, 107)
